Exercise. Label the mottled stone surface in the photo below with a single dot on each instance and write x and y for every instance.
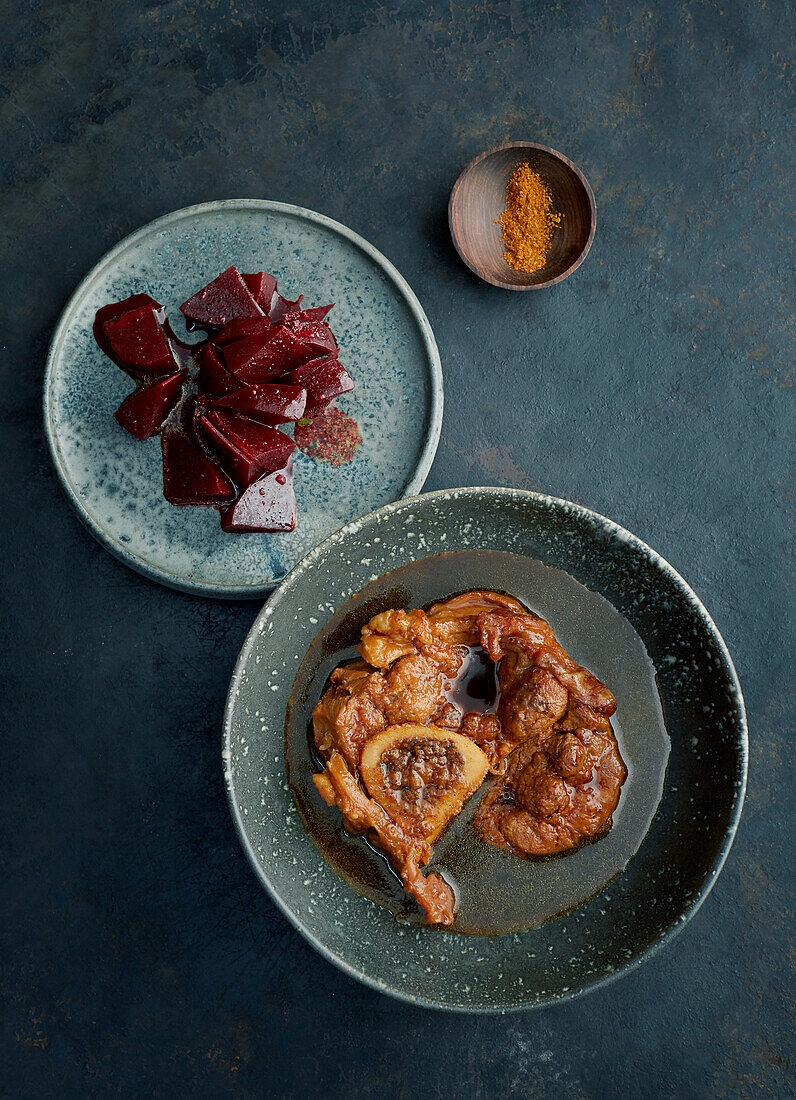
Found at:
(140, 956)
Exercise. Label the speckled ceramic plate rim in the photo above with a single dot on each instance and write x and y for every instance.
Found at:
(413, 486)
(611, 528)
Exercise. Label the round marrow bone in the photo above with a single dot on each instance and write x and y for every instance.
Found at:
(422, 775)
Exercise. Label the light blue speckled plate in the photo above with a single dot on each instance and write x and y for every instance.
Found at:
(115, 481)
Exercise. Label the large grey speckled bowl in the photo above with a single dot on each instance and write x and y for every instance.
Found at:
(115, 481)
(679, 858)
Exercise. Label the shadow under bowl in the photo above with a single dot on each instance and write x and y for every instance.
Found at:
(478, 199)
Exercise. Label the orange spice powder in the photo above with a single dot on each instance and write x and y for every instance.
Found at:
(528, 220)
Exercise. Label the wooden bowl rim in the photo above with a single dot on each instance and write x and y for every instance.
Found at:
(482, 274)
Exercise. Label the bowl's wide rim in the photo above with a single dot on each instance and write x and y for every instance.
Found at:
(435, 412)
(480, 272)
(308, 562)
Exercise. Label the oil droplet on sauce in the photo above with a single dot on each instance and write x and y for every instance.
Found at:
(329, 437)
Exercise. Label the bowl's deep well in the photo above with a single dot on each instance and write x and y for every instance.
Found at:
(479, 198)
(688, 839)
(498, 892)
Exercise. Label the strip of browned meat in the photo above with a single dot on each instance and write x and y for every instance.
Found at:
(338, 787)
(501, 631)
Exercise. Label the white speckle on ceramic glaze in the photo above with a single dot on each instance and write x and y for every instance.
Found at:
(115, 481)
(661, 887)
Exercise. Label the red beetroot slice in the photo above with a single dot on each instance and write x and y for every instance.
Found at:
(327, 381)
(254, 282)
(277, 404)
(222, 300)
(143, 412)
(240, 328)
(267, 505)
(315, 313)
(315, 334)
(247, 449)
(280, 306)
(214, 379)
(190, 477)
(112, 312)
(260, 358)
(261, 286)
(139, 343)
(241, 468)
(298, 375)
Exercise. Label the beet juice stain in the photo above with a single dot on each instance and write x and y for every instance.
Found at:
(330, 437)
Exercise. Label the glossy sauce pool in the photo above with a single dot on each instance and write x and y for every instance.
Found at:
(497, 891)
(476, 687)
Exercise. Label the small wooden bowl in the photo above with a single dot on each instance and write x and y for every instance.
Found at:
(478, 199)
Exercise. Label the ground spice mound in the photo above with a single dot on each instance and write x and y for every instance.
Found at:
(528, 220)
(330, 437)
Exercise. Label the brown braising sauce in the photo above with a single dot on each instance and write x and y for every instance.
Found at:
(497, 891)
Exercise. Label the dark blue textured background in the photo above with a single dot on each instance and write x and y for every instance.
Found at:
(140, 957)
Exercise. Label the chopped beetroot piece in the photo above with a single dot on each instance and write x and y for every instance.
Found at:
(316, 335)
(262, 287)
(112, 312)
(143, 412)
(259, 358)
(139, 342)
(247, 449)
(280, 306)
(240, 328)
(214, 380)
(254, 282)
(316, 313)
(286, 349)
(239, 466)
(240, 354)
(276, 404)
(266, 446)
(190, 477)
(225, 298)
(323, 384)
(267, 505)
(298, 374)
